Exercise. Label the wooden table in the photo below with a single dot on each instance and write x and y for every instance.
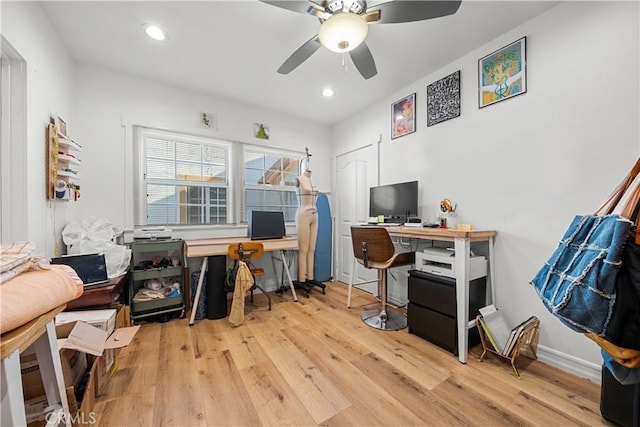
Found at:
(41, 333)
(219, 246)
(462, 247)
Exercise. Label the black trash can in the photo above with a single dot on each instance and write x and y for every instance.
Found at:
(216, 296)
(619, 403)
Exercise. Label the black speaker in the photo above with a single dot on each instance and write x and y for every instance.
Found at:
(216, 296)
(266, 225)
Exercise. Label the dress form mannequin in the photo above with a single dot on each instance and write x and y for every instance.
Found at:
(307, 221)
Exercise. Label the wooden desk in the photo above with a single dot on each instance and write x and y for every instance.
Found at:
(219, 246)
(462, 245)
(41, 333)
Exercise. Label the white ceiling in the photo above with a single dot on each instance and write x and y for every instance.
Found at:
(232, 49)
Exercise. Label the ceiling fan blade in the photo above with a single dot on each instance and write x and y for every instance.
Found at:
(300, 55)
(409, 11)
(296, 6)
(363, 60)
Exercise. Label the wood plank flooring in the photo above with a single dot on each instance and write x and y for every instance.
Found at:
(315, 362)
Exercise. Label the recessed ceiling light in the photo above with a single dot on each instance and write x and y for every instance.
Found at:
(154, 32)
(327, 92)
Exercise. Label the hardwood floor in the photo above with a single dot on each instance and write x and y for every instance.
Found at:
(315, 362)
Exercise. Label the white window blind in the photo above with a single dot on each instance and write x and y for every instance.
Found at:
(182, 179)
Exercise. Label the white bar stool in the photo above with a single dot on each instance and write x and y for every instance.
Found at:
(41, 334)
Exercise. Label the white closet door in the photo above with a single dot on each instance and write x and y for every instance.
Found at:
(356, 171)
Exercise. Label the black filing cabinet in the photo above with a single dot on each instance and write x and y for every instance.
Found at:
(432, 308)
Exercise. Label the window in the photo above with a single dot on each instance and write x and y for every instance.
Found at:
(184, 180)
(189, 180)
(270, 182)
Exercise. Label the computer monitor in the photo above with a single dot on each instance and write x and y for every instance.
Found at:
(266, 225)
(395, 201)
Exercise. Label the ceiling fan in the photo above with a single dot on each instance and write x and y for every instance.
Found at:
(344, 25)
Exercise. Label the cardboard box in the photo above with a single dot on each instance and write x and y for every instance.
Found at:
(107, 364)
(123, 317)
(31, 380)
(85, 338)
(106, 367)
(82, 412)
(101, 319)
(78, 342)
(35, 409)
(74, 365)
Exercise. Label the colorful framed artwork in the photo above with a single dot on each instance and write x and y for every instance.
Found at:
(403, 116)
(443, 99)
(502, 74)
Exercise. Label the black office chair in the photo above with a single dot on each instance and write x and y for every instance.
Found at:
(373, 248)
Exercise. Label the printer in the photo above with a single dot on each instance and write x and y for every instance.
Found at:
(441, 262)
(152, 233)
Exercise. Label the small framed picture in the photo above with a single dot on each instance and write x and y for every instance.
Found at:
(403, 116)
(502, 74)
(61, 125)
(443, 99)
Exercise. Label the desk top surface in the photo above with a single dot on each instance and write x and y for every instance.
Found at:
(440, 233)
(219, 246)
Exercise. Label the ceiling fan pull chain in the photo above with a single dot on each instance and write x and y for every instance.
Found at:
(344, 62)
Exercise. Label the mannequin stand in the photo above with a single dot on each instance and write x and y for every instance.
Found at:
(302, 285)
(312, 283)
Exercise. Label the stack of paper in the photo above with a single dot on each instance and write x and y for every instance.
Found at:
(497, 326)
(515, 334)
(502, 337)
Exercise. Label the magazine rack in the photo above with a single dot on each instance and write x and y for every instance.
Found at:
(525, 340)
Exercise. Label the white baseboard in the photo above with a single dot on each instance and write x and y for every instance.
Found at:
(568, 363)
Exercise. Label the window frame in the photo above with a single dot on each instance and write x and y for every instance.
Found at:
(142, 136)
(235, 179)
(273, 151)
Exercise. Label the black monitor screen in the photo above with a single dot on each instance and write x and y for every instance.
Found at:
(266, 225)
(395, 200)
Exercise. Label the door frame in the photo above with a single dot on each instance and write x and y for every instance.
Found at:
(13, 145)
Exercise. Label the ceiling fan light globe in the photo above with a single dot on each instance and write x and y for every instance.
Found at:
(343, 32)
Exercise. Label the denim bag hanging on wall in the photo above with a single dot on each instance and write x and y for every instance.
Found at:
(578, 283)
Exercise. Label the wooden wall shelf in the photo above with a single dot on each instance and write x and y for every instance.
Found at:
(62, 163)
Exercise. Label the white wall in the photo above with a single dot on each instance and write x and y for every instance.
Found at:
(527, 165)
(96, 103)
(50, 74)
(105, 101)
